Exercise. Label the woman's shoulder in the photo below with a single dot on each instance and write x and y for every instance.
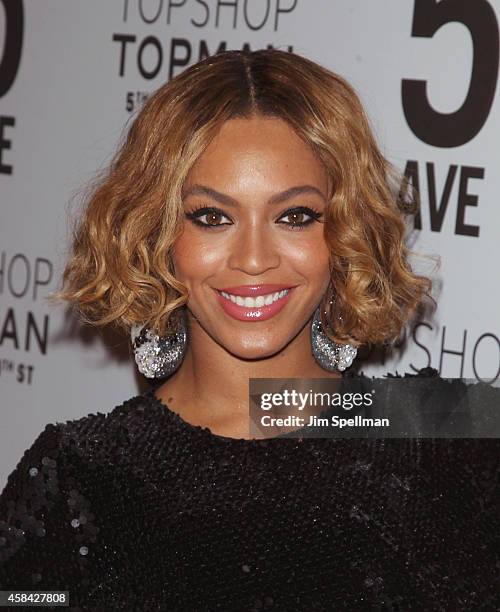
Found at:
(130, 412)
(50, 505)
(91, 437)
(94, 432)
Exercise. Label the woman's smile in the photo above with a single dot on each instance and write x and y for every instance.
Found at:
(254, 303)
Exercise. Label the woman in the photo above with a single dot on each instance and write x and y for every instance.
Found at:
(248, 228)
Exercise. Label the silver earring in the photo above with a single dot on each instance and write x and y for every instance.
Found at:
(158, 356)
(330, 355)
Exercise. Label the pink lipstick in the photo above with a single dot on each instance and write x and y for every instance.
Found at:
(254, 302)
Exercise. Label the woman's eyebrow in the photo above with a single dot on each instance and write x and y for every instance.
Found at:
(229, 201)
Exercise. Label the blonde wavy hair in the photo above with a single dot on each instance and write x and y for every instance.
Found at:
(120, 270)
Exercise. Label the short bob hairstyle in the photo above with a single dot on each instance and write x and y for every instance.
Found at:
(120, 270)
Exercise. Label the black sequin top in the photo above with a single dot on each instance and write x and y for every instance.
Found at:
(139, 510)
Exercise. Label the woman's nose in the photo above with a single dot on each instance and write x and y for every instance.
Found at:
(253, 249)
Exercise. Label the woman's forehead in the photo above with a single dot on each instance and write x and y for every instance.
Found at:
(248, 153)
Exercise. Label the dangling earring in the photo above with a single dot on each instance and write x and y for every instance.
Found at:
(159, 356)
(329, 354)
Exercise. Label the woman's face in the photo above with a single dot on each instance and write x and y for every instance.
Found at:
(245, 200)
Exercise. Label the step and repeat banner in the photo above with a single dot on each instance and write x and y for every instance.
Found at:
(73, 74)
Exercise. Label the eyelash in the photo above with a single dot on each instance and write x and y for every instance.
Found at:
(196, 214)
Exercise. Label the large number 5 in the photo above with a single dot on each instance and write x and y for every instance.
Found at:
(14, 26)
(455, 129)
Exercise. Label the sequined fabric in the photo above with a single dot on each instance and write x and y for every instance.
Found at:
(137, 509)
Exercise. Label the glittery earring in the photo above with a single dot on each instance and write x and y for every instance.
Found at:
(159, 356)
(329, 354)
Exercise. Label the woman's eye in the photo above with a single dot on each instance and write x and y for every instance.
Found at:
(207, 217)
(300, 217)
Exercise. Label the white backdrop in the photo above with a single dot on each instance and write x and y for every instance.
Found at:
(72, 76)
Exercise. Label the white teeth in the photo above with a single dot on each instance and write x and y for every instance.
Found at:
(250, 302)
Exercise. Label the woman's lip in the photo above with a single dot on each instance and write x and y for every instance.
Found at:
(255, 290)
(259, 313)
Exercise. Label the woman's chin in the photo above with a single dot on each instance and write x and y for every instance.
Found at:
(246, 353)
(252, 345)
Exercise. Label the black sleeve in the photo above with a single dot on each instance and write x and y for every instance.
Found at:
(46, 521)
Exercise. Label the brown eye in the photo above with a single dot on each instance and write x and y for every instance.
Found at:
(300, 217)
(207, 217)
(213, 218)
(296, 217)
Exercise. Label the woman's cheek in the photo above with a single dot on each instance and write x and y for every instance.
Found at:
(196, 256)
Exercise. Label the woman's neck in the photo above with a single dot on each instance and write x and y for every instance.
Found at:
(210, 388)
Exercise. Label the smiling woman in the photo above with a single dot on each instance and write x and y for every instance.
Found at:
(250, 173)
(255, 201)
(236, 130)
(249, 227)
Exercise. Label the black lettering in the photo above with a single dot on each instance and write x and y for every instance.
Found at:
(172, 3)
(262, 23)
(123, 39)
(31, 328)
(204, 52)
(13, 43)
(9, 330)
(5, 144)
(20, 372)
(155, 15)
(467, 199)
(24, 259)
(39, 280)
(150, 74)
(424, 348)
(175, 44)
(201, 24)
(125, 10)
(279, 10)
(2, 271)
(457, 128)
(437, 213)
(450, 352)
(495, 338)
(234, 4)
(410, 189)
